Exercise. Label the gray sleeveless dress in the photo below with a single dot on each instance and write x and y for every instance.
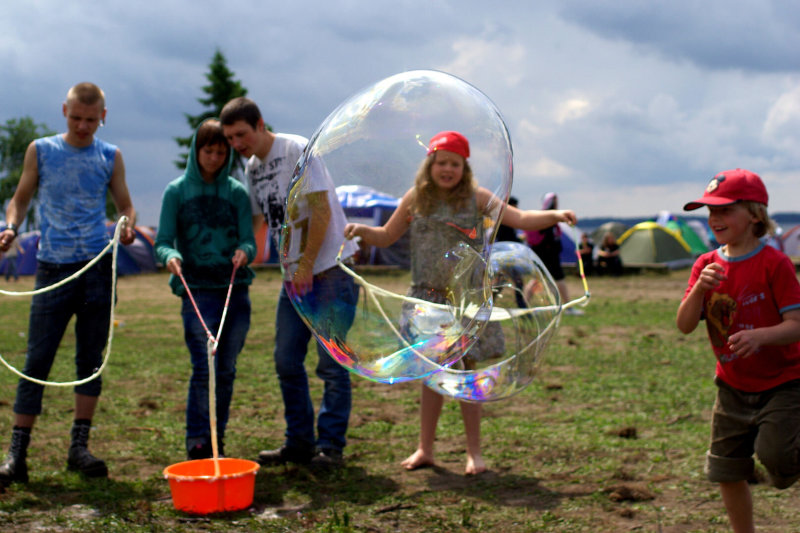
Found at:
(433, 240)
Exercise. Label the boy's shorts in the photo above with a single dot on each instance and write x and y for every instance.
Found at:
(765, 423)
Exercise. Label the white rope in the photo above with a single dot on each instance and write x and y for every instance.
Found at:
(498, 313)
(114, 245)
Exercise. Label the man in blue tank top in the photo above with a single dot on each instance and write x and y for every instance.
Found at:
(73, 172)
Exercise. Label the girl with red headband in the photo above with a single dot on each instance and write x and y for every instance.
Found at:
(446, 207)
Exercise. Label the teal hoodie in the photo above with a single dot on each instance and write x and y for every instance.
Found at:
(203, 224)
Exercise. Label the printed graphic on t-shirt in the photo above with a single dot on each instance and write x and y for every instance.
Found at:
(268, 192)
(720, 311)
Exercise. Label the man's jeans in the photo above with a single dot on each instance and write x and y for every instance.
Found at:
(211, 302)
(89, 299)
(332, 302)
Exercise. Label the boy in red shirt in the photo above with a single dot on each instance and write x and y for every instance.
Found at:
(749, 296)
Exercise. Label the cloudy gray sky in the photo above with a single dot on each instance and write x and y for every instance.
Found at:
(623, 109)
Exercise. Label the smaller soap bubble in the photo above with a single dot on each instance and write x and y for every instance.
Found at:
(525, 315)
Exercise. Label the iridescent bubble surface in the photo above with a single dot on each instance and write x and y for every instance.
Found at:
(377, 138)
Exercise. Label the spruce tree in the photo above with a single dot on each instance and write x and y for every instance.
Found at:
(220, 89)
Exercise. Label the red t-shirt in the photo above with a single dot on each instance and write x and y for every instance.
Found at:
(760, 286)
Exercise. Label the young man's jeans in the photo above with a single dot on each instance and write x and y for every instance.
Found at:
(211, 302)
(332, 301)
(88, 298)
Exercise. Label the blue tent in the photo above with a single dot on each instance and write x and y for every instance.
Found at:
(26, 261)
(568, 236)
(367, 203)
(133, 258)
(136, 257)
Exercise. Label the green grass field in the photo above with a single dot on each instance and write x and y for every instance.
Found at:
(611, 436)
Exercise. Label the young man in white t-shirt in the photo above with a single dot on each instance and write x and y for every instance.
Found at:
(312, 269)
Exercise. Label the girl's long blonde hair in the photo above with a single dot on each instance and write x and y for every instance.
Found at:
(427, 196)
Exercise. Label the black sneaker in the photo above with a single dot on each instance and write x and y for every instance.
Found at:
(201, 450)
(82, 461)
(13, 470)
(328, 458)
(284, 455)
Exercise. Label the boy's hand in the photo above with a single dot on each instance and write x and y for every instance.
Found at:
(745, 343)
(710, 277)
(6, 238)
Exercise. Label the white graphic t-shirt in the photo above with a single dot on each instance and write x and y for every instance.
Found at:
(269, 181)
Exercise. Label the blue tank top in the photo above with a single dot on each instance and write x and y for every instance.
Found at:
(73, 183)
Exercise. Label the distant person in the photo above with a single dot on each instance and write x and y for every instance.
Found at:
(73, 173)
(437, 211)
(609, 261)
(546, 243)
(205, 230)
(507, 233)
(586, 251)
(272, 159)
(12, 255)
(749, 296)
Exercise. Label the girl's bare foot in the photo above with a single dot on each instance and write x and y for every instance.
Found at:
(418, 459)
(475, 465)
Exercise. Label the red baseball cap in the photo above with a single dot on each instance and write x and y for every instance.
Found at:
(452, 141)
(731, 186)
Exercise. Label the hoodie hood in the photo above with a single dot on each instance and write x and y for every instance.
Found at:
(193, 167)
(203, 224)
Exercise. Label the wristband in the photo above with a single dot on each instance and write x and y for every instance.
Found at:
(13, 227)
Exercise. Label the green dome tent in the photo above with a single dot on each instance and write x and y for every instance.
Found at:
(649, 243)
(689, 235)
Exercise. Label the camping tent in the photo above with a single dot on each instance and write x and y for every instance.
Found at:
(266, 251)
(136, 257)
(26, 261)
(703, 232)
(369, 206)
(617, 228)
(791, 242)
(689, 235)
(133, 258)
(568, 236)
(649, 243)
(359, 201)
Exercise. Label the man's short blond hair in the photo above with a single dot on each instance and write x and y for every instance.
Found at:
(87, 93)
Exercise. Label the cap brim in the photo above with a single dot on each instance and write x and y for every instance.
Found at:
(716, 201)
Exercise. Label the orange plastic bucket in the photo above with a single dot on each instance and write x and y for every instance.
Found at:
(196, 489)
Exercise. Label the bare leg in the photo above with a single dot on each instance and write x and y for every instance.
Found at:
(24, 421)
(562, 291)
(739, 504)
(85, 406)
(430, 407)
(471, 414)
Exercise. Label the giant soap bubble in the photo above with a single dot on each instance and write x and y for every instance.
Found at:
(376, 140)
(526, 313)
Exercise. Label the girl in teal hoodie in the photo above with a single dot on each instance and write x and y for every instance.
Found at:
(204, 231)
